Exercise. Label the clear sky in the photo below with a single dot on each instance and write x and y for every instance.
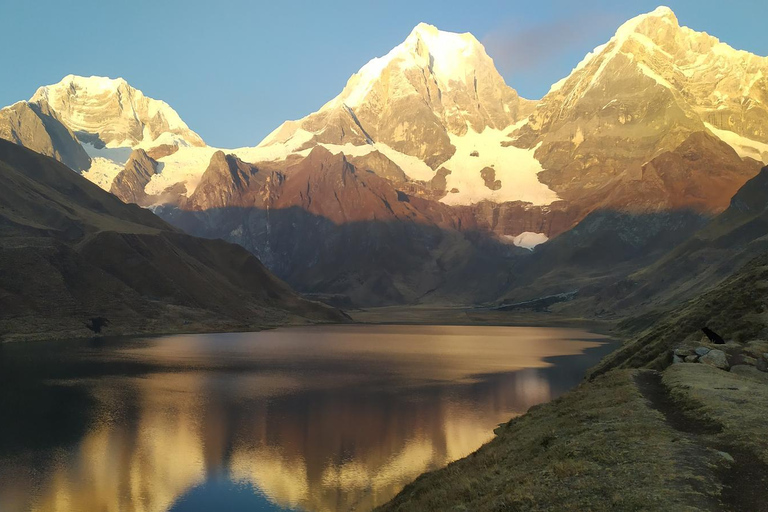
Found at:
(235, 69)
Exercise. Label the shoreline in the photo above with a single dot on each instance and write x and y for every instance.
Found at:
(385, 315)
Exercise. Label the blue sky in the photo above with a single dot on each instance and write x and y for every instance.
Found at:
(235, 69)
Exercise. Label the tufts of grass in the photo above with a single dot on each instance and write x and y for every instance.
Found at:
(599, 447)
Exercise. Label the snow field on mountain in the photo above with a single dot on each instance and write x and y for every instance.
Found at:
(742, 145)
(188, 164)
(526, 239)
(516, 168)
(102, 172)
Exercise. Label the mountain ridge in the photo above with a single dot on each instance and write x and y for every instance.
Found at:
(430, 139)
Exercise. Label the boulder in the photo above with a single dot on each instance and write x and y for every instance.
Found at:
(750, 372)
(677, 359)
(762, 365)
(716, 358)
(691, 358)
(683, 352)
(701, 351)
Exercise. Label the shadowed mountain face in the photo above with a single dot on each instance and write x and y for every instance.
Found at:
(372, 243)
(624, 263)
(70, 252)
(722, 246)
(356, 234)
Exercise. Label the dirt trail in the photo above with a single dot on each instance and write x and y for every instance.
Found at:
(745, 481)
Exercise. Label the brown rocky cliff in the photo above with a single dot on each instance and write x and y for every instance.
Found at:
(130, 183)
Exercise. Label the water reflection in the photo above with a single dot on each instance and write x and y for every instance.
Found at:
(321, 419)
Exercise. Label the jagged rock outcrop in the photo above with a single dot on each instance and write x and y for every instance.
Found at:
(379, 164)
(228, 182)
(130, 183)
(33, 127)
(701, 175)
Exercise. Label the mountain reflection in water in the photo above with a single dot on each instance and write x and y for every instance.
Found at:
(318, 419)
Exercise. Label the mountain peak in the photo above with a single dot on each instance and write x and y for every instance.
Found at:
(447, 53)
(447, 56)
(433, 36)
(75, 84)
(651, 24)
(662, 11)
(424, 28)
(114, 111)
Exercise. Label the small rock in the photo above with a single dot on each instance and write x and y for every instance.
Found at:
(701, 351)
(691, 359)
(762, 365)
(683, 352)
(677, 359)
(715, 358)
(756, 348)
(751, 361)
(727, 457)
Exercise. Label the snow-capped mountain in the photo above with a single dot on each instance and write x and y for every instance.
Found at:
(427, 166)
(93, 124)
(436, 101)
(644, 93)
(724, 88)
(109, 112)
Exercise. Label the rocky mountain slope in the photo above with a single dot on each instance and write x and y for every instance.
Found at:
(70, 252)
(31, 126)
(603, 256)
(644, 93)
(723, 245)
(436, 101)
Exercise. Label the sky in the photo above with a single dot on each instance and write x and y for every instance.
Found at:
(234, 70)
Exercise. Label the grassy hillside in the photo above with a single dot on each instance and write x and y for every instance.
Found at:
(70, 252)
(640, 433)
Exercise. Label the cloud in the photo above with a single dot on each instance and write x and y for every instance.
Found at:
(518, 48)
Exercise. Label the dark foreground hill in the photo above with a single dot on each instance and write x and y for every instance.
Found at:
(71, 252)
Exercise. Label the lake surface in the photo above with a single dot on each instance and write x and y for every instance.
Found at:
(316, 419)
